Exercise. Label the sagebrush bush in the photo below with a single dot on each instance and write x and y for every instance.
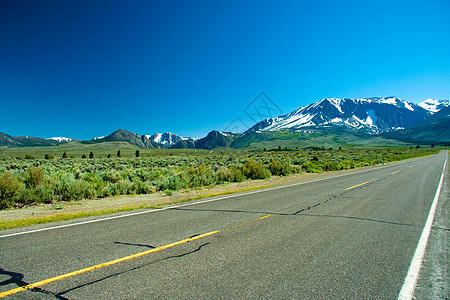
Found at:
(11, 188)
(330, 166)
(312, 168)
(225, 174)
(255, 170)
(279, 169)
(201, 176)
(34, 176)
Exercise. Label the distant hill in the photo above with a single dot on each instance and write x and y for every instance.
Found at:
(27, 141)
(8, 141)
(216, 139)
(183, 144)
(435, 129)
(328, 137)
(126, 136)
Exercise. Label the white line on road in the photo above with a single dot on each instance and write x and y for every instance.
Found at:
(409, 285)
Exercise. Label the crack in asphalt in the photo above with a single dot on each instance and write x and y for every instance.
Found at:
(17, 278)
(130, 270)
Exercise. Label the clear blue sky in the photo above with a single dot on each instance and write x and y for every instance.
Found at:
(82, 69)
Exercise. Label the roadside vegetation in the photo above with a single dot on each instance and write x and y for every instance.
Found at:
(26, 180)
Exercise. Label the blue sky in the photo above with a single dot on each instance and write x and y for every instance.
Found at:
(82, 69)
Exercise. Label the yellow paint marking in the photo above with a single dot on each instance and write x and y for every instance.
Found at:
(247, 222)
(395, 173)
(46, 281)
(355, 186)
(411, 166)
(60, 277)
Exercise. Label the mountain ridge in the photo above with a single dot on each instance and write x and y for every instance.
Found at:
(359, 117)
(372, 115)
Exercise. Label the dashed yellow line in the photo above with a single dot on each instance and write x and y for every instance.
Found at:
(355, 186)
(47, 281)
(411, 167)
(247, 222)
(395, 172)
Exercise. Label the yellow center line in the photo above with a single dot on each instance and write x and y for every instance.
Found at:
(411, 166)
(46, 281)
(355, 186)
(247, 222)
(71, 274)
(395, 173)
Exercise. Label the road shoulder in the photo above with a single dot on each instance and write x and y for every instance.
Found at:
(434, 278)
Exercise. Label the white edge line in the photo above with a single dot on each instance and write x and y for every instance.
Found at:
(409, 285)
(194, 203)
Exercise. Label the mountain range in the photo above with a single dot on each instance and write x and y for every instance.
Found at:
(387, 117)
(371, 115)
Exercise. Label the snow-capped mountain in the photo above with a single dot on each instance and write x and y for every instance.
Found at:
(167, 139)
(370, 115)
(433, 105)
(60, 139)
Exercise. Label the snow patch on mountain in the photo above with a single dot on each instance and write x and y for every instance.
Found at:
(167, 138)
(433, 105)
(60, 139)
(336, 103)
(392, 101)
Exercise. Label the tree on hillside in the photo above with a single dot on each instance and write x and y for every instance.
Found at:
(91, 155)
(65, 155)
(138, 153)
(118, 154)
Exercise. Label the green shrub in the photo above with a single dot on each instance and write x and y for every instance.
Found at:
(225, 174)
(312, 168)
(201, 176)
(330, 166)
(112, 176)
(34, 176)
(10, 189)
(255, 170)
(279, 169)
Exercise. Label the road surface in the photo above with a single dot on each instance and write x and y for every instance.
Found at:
(343, 237)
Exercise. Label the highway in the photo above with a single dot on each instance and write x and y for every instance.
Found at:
(342, 237)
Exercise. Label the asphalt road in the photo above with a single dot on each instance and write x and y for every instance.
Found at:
(345, 237)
